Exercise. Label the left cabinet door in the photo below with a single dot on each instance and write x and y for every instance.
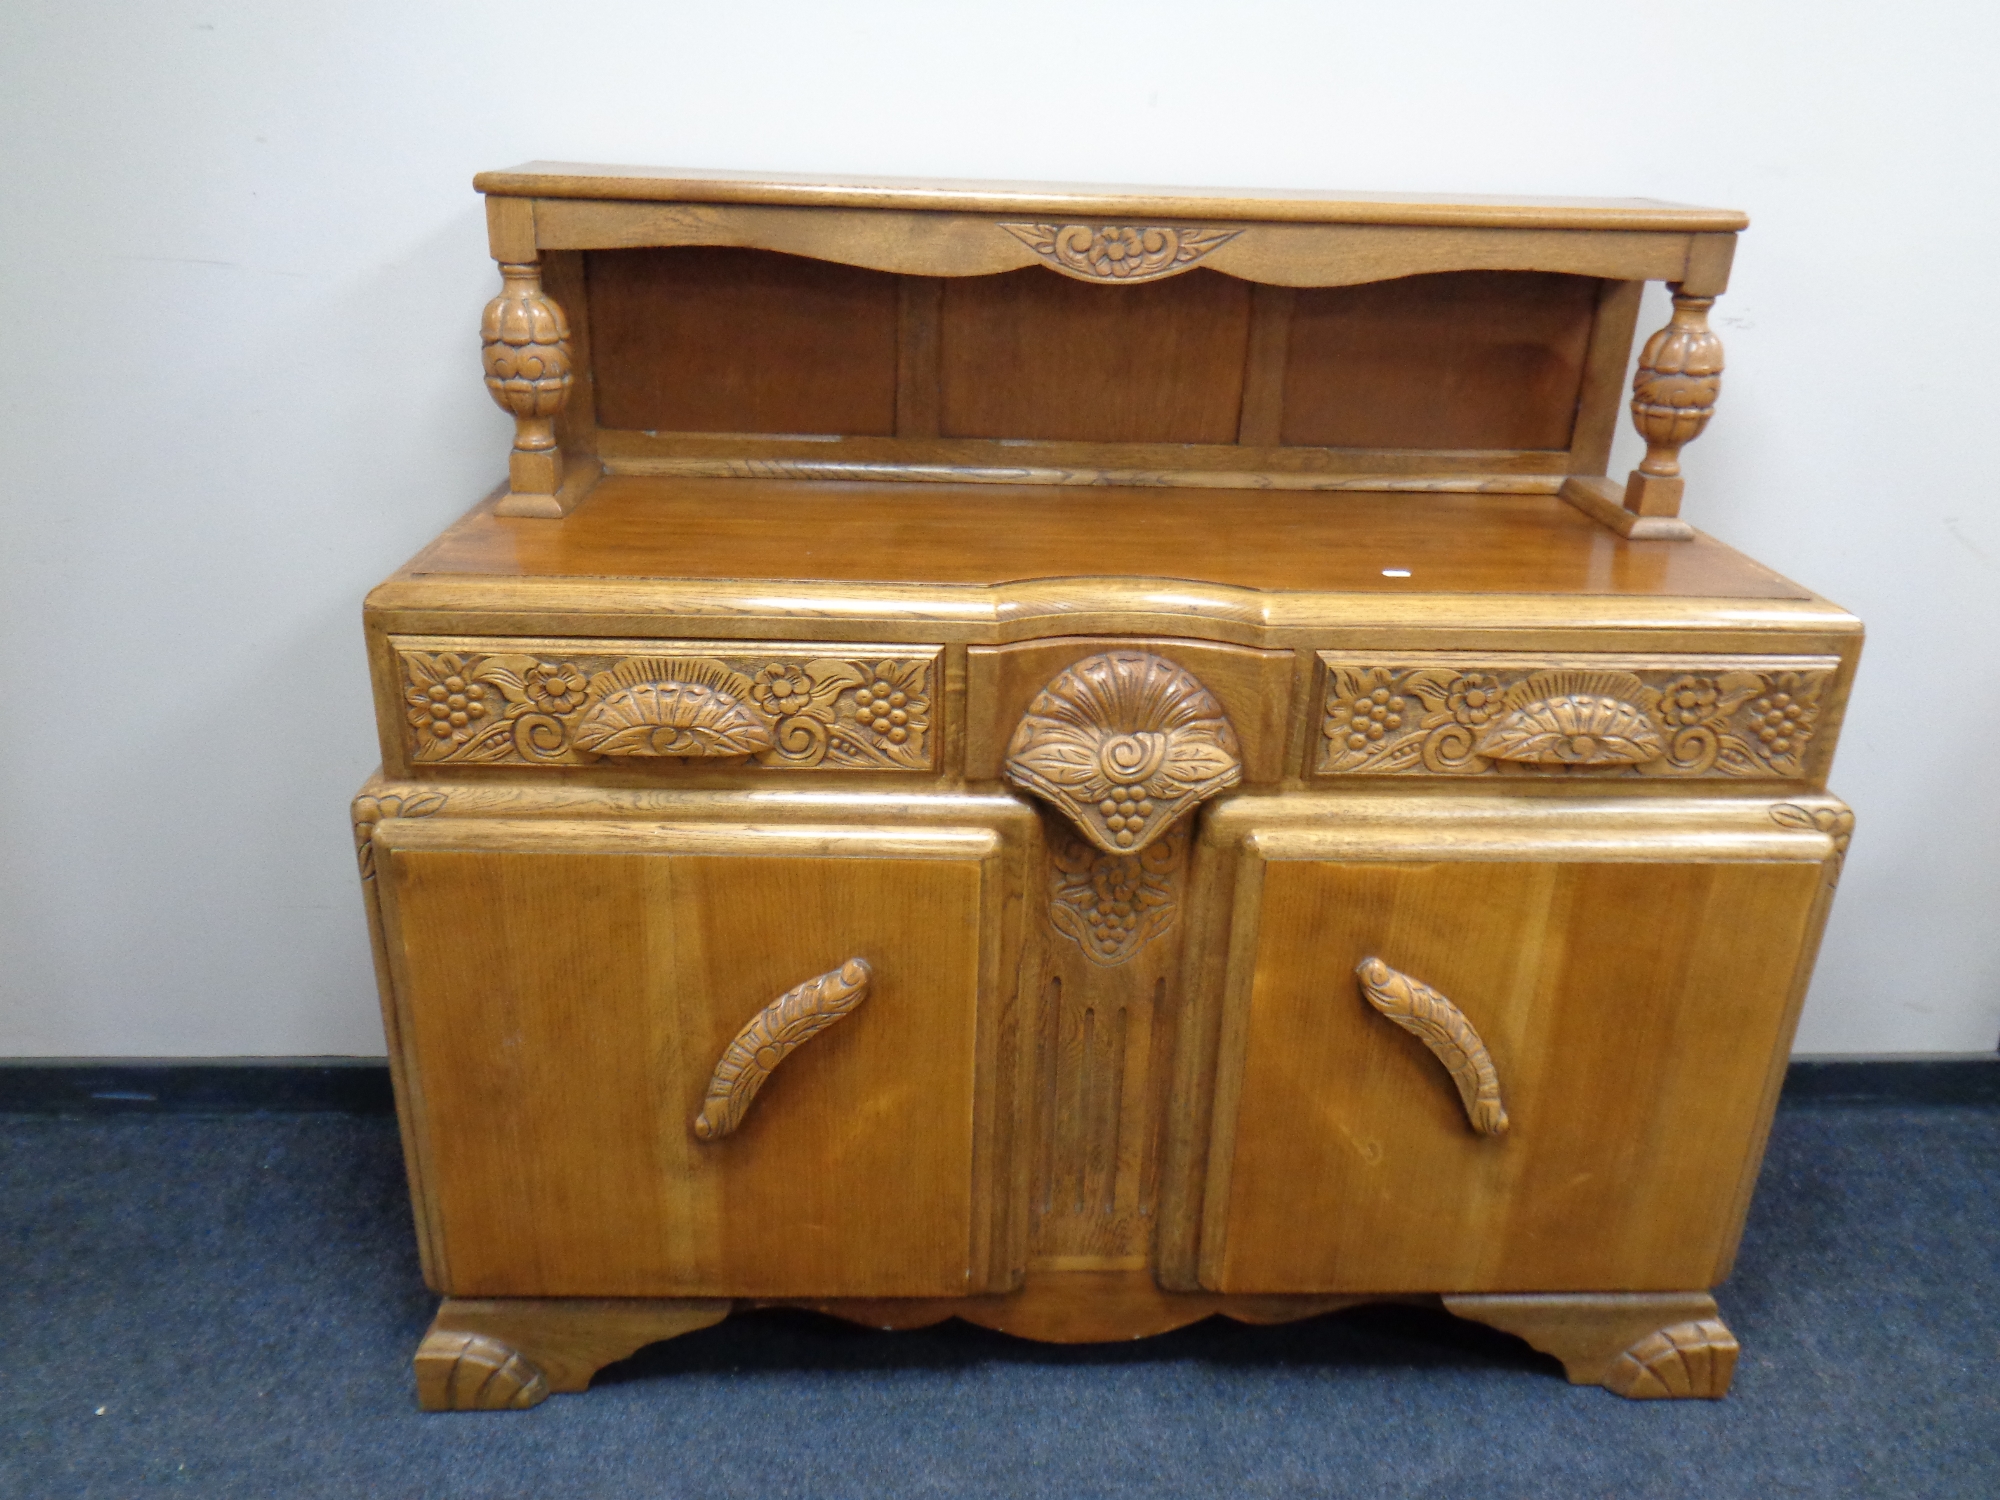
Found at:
(565, 993)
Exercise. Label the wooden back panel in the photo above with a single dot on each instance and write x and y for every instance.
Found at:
(1470, 370)
(707, 339)
(1462, 359)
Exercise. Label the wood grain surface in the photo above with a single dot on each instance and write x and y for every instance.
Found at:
(549, 179)
(1030, 355)
(913, 533)
(719, 340)
(1477, 359)
(1599, 986)
(565, 991)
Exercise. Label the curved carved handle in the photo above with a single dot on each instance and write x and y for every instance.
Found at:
(1442, 1027)
(774, 1032)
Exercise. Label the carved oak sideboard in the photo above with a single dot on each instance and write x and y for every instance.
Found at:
(1083, 758)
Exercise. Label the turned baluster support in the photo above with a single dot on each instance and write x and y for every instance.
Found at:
(1673, 396)
(527, 358)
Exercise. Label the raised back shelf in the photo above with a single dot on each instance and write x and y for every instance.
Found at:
(679, 324)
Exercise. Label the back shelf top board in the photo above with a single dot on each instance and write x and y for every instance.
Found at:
(582, 180)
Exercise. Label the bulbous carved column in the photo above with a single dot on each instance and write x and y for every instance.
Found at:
(526, 340)
(1673, 396)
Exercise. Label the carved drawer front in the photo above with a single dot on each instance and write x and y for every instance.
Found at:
(1495, 714)
(654, 1059)
(1504, 1053)
(782, 706)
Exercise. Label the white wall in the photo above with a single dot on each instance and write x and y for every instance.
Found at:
(241, 267)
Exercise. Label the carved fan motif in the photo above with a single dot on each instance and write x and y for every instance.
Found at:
(1574, 718)
(669, 707)
(1123, 744)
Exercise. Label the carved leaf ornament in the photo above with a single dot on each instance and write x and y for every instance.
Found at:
(1397, 720)
(1120, 252)
(1123, 744)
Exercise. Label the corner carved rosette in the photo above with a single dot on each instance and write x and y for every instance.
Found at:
(1120, 252)
(772, 1035)
(525, 347)
(1122, 744)
(1837, 823)
(780, 709)
(370, 810)
(1443, 1028)
(1478, 719)
(1675, 388)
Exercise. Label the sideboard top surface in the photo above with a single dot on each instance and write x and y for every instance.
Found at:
(546, 179)
(983, 534)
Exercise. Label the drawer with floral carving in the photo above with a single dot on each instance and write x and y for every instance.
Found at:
(1420, 713)
(780, 706)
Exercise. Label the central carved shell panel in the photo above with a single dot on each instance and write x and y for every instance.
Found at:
(1122, 744)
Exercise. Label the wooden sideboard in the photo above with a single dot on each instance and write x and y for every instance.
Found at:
(1083, 758)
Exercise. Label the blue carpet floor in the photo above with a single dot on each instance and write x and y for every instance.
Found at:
(227, 1306)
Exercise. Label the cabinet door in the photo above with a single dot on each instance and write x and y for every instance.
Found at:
(566, 991)
(1632, 975)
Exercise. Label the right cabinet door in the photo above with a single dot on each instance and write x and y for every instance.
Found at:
(1624, 979)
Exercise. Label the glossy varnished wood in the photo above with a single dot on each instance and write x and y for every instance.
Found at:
(1597, 962)
(1030, 355)
(897, 533)
(1475, 360)
(1338, 843)
(717, 340)
(557, 1109)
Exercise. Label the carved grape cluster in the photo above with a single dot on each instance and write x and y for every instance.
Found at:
(1126, 810)
(452, 706)
(1111, 905)
(885, 707)
(1363, 717)
(1114, 882)
(1781, 720)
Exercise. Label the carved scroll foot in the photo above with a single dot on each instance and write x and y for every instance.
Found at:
(1643, 1345)
(507, 1354)
(471, 1372)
